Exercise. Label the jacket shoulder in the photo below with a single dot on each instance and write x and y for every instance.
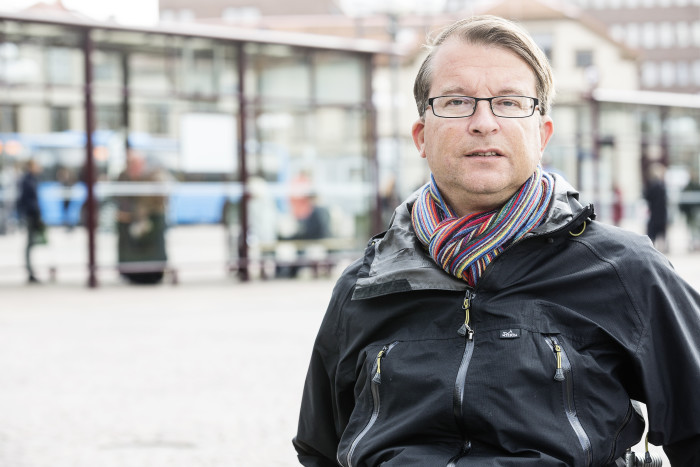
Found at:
(622, 247)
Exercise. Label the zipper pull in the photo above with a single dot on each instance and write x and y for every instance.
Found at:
(465, 329)
(559, 374)
(378, 374)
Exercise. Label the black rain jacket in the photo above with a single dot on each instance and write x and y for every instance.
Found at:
(536, 366)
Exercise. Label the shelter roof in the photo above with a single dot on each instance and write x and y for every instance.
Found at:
(59, 15)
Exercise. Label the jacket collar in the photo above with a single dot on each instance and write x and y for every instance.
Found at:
(400, 263)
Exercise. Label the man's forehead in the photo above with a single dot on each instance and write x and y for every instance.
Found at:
(459, 65)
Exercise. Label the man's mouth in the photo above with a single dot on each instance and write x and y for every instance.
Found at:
(483, 154)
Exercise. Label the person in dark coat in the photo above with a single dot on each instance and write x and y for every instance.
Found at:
(690, 207)
(655, 195)
(497, 322)
(30, 213)
(141, 225)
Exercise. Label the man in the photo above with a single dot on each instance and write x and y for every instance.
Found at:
(496, 323)
(30, 212)
(141, 226)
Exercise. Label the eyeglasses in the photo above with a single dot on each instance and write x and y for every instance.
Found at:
(465, 106)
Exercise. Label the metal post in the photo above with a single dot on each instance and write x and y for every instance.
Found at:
(595, 133)
(89, 160)
(126, 102)
(395, 88)
(665, 147)
(243, 266)
(371, 139)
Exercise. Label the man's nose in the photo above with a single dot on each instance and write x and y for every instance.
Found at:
(483, 121)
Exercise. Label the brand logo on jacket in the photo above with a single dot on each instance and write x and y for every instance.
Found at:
(510, 334)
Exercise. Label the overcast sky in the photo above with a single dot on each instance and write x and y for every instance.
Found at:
(141, 12)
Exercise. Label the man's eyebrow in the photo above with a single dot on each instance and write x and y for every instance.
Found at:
(512, 92)
(453, 91)
(460, 91)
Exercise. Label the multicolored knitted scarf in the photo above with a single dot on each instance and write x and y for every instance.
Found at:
(464, 246)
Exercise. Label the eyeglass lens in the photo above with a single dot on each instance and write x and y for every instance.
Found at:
(501, 106)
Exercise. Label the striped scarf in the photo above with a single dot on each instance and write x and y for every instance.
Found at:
(464, 246)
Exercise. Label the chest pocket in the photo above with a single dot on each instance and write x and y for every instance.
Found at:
(403, 387)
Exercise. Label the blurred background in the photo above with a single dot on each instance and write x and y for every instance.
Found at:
(217, 143)
(268, 136)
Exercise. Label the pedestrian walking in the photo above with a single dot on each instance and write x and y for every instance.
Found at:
(30, 213)
(655, 195)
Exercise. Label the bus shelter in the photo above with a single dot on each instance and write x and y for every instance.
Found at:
(250, 150)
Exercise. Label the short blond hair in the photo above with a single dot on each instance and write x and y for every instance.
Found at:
(493, 31)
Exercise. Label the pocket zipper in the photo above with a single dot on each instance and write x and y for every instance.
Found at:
(563, 374)
(376, 402)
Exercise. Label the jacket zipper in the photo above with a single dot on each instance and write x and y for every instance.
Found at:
(563, 374)
(628, 417)
(458, 395)
(376, 402)
(467, 331)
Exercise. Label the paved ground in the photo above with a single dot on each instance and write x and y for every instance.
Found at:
(172, 376)
(207, 373)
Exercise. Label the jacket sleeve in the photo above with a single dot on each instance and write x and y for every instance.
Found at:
(321, 419)
(668, 360)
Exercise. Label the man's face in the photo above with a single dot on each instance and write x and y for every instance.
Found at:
(135, 164)
(479, 162)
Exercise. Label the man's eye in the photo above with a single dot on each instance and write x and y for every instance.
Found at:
(508, 103)
(456, 102)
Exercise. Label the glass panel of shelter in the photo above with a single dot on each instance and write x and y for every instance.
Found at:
(176, 101)
(307, 158)
(41, 84)
(180, 109)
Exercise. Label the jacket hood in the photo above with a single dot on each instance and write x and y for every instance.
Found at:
(400, 263)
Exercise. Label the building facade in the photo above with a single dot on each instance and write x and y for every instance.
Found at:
(666, 33)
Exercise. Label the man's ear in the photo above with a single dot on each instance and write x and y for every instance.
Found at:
(418, 133)
(546, 131)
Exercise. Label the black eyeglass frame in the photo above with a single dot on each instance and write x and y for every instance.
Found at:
(490, 101)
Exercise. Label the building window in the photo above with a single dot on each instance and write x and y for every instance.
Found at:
(632, 36)
(8, 119)
(617, 32)
(649, 35)
(60, 118)
(167, 15)
(185, 15)
(650, 75)
(109, 117)
(157, 120)
(682, 74)
(666, 35)
(584, 58)
(241, 14)
(696, 72)
(668, 74)
(544, 41)
(696, 33)
(683, 34)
